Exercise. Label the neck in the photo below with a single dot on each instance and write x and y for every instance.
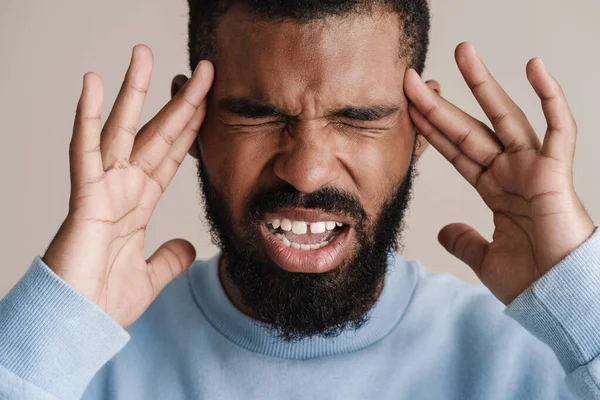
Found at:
(232, 291)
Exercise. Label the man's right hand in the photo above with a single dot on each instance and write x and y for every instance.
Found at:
(117, 177)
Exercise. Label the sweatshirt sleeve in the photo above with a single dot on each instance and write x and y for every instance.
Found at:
(562, 309)
(53, 340)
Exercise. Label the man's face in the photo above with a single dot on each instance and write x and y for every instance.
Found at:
(305, 162)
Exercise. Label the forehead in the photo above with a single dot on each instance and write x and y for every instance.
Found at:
(343, 59)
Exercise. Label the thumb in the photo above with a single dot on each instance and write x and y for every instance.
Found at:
(168, 262)
(465, 243)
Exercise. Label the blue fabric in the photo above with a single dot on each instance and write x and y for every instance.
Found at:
(429, 336)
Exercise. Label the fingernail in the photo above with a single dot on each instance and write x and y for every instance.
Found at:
(197, 67)
(543, 65)
(134, 53)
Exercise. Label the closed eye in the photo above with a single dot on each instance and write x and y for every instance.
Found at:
(358, 127)
(258, 125)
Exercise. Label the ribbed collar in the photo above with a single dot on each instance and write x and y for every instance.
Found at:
(253, 335)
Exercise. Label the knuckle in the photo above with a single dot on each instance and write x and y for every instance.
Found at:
(460, 139)
(477, 85)
(499, 118)
(434, 105)
(91, 117)
(456, 159)
(516, 146)
(169, 140)
(140, 89)
(119, 164)
(143, 165)
(128, 129)
(478, 177)
(489, 160)
(94, 150)
(191, 103)
(461, 244)
(177, 163)
(154, 177)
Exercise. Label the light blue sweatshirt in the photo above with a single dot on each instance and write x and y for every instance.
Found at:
(430, 336)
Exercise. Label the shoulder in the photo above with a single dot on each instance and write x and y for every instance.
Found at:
(469, 315)
(435, 289)
(467, 329)
(476, 327)
(468, 309)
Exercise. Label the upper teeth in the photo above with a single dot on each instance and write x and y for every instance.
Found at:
(301, 227)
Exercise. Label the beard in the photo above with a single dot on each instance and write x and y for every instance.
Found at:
(301, 305)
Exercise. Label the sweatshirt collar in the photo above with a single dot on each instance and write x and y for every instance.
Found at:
(255, 336)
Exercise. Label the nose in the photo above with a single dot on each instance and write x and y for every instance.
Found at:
(309, 158)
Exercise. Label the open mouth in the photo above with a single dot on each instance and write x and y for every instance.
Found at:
(306, 240)
(301, 235)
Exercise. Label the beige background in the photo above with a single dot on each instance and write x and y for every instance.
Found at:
(46, 47)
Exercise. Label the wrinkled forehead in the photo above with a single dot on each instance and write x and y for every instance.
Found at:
(340, 59)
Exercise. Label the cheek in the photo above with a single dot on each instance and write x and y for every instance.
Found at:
(236, 164)
(379, 165)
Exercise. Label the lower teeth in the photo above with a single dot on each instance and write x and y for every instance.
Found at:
(298, 246)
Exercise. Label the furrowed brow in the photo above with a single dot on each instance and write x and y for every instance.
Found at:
(250, 109)
(373, 113)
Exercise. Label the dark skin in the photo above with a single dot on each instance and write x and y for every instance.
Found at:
(313, 105)
(332, 101)
(526, 183)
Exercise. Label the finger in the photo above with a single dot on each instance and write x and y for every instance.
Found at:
(120, 129)
(84, 150)
(561, 135)
(168, 262)
(434, 85)
(465, 243)
(157, 137)
(171, 163)
(468, 168)
(471, 136)
(509, 121)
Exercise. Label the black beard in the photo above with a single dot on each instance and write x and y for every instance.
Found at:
(300, 305)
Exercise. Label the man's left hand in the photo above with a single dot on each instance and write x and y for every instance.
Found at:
(527, 184)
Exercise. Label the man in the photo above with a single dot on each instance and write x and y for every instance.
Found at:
(306, 147)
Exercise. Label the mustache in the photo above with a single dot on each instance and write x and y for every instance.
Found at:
(285, 196)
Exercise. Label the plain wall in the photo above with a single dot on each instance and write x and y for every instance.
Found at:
(46, 47)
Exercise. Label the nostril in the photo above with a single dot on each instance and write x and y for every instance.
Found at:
(307, 166)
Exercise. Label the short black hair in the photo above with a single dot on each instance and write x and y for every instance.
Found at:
(414, 19)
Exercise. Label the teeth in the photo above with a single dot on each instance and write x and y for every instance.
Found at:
(286, 225)
(298, 246)
(317, 227)
(299, 227)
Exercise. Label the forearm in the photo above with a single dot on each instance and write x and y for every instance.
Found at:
(563, 309)
(52, 339)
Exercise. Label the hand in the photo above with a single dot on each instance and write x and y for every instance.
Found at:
(117, 178)
(528, 185)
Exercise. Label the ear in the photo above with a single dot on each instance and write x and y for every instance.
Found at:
(422, 143)
(176, 85)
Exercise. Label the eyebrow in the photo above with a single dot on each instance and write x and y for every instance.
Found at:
(247, 108)
(250, 109)
(373, 113)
